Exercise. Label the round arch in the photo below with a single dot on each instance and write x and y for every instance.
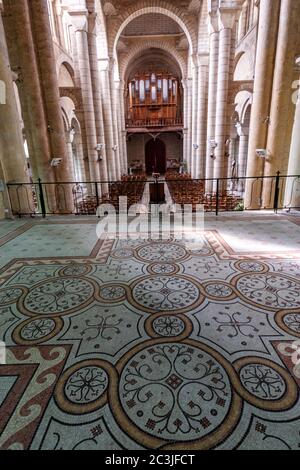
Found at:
(139, 49)
(165, 9)
(63, 59)
(246, 111)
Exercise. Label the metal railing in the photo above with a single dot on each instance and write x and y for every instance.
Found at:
(215, 195)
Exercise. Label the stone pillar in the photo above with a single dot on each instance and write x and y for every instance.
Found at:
(115, 121)
(49, 82)
(212, 95)
(292, 191)
(194, 104)
(103, 65)
(202, 116)
(189, 123)
(227, 22)
(242, 28)
(80, 23)
(121, 126)
(95, 76)
(12, 155)
(22, 55)
(5, 207)
(243, 152)
(185, 119)
(281, 115)
(69, 141)
(232, 164)
(265, 57)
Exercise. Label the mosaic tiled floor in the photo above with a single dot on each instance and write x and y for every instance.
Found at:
(149, 344)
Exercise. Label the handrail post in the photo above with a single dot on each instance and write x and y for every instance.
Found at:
(217, 197)
(277, 190)
(42, 199)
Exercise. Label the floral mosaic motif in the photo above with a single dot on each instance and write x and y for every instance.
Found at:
(10, 295)
(32, 275)
(251, 266)
(58, 296)
(105, 328)
(234, 325)
(289, 268)
(112, 292)
(38, 329)
(262, 381)
(75, 269)
(292, 321)
(274, 291)
(175, 391)
(123, 253)
(86, 385)
(168, 325)
(205, 250)
(165, 293)
(163, 268)
(219, 290)
(119, 269)
(6, 316)
(208, 268)
(161, 252)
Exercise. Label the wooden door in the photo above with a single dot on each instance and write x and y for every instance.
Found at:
(155, 156)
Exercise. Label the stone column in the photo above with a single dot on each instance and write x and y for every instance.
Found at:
(22, 55)
(103, 65)
(202, 116)
(80, 22)
(95, 76)
(194, 104)
(121, 126)
(243, 21)
(227, 22)
(5, 207)
(115, 121)
(189, 123)
(243, 152)
(41, 29)
(281, 115)
(13, 155)
(265, 56)
(185, 119)
(13, 160)
(232, 157)
(292, 191)
(69, 141)
(212, 94)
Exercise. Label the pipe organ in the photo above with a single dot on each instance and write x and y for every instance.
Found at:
(154, 99)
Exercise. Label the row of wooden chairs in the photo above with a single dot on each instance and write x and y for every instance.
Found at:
(193, 193)
(138, 177)
(174, 175)
(132, 189)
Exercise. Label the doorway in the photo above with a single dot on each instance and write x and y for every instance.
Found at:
(155, 154)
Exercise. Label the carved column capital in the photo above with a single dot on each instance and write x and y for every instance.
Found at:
(79, 19)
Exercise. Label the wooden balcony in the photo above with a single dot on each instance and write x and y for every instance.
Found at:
(146, 125)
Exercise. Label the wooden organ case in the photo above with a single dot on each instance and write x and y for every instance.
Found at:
(154, 99)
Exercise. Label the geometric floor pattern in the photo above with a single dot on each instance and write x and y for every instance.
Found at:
(149, 344)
